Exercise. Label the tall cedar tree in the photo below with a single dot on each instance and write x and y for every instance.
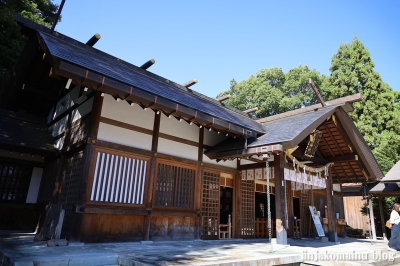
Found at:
(273, 91)
(11, 40)
(377, 115)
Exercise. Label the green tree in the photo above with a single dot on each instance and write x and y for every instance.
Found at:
(11, 40)
(377, 116)
(273, 91)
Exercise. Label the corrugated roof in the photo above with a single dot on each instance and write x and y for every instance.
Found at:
(97, 61)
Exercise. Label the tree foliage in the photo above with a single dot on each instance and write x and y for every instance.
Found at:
(377, 116)
(273, 91)
(11, 40)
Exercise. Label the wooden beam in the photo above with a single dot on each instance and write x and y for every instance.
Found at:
(250, 110)
(332, 235)
(148, 64)
(310, 81)
(344, 158)
(280, 195)
(92, 41)
(57, 16)
(254, 165)
(317, 160)
(224, 98)
(190, 83)
(201, 145)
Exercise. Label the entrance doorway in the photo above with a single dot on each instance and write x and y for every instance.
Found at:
(225, 204)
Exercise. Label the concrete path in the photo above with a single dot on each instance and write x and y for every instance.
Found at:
(20, 249)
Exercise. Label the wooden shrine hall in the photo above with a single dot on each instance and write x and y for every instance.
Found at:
(130, 155)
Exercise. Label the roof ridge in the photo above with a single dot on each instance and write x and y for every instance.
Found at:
(336, 102)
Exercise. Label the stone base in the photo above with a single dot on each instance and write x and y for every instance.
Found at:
(324, 239)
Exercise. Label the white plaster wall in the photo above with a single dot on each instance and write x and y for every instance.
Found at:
(60, 126)
(66, 102)
(34, 185)
(211, 138)
(124, 136)
(230, 164)
(336, 187)
(173, 127)
(82, 110)
(60, 143)
(181, 150)
(122, 111)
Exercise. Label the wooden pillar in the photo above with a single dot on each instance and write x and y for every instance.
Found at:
(152, 177)
(280, 198)
(342, 206)
(371, 216)
(88, 163)
(332, 234)
(382, 218)
(198, 185)
(237, 206)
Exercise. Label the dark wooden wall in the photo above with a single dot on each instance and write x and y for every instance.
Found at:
(111, 227)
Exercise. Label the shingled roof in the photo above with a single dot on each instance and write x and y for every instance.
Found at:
(287, 131)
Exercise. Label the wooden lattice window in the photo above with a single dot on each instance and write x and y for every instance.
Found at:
(14, 182)
(175, 186)
(210, 205)
(247, 222)
(118, 179)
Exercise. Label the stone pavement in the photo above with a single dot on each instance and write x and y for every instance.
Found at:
(20, 249)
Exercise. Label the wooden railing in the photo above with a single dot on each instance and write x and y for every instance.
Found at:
(225, 230)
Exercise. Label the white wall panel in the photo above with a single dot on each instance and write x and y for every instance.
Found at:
(66, 101)
(60, 143)
(173, 127)
(174, 148)
(34, 185)
(211, 138)
(230, 164)
(124, 136)
(82, 110)
(122, 111)
(60, 126)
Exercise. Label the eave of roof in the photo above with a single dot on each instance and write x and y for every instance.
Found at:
(287, 131)
(385, 189)
(124, 78)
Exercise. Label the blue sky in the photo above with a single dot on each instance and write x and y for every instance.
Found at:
(216, 41)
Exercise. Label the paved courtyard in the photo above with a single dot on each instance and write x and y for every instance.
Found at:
(20, 249)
